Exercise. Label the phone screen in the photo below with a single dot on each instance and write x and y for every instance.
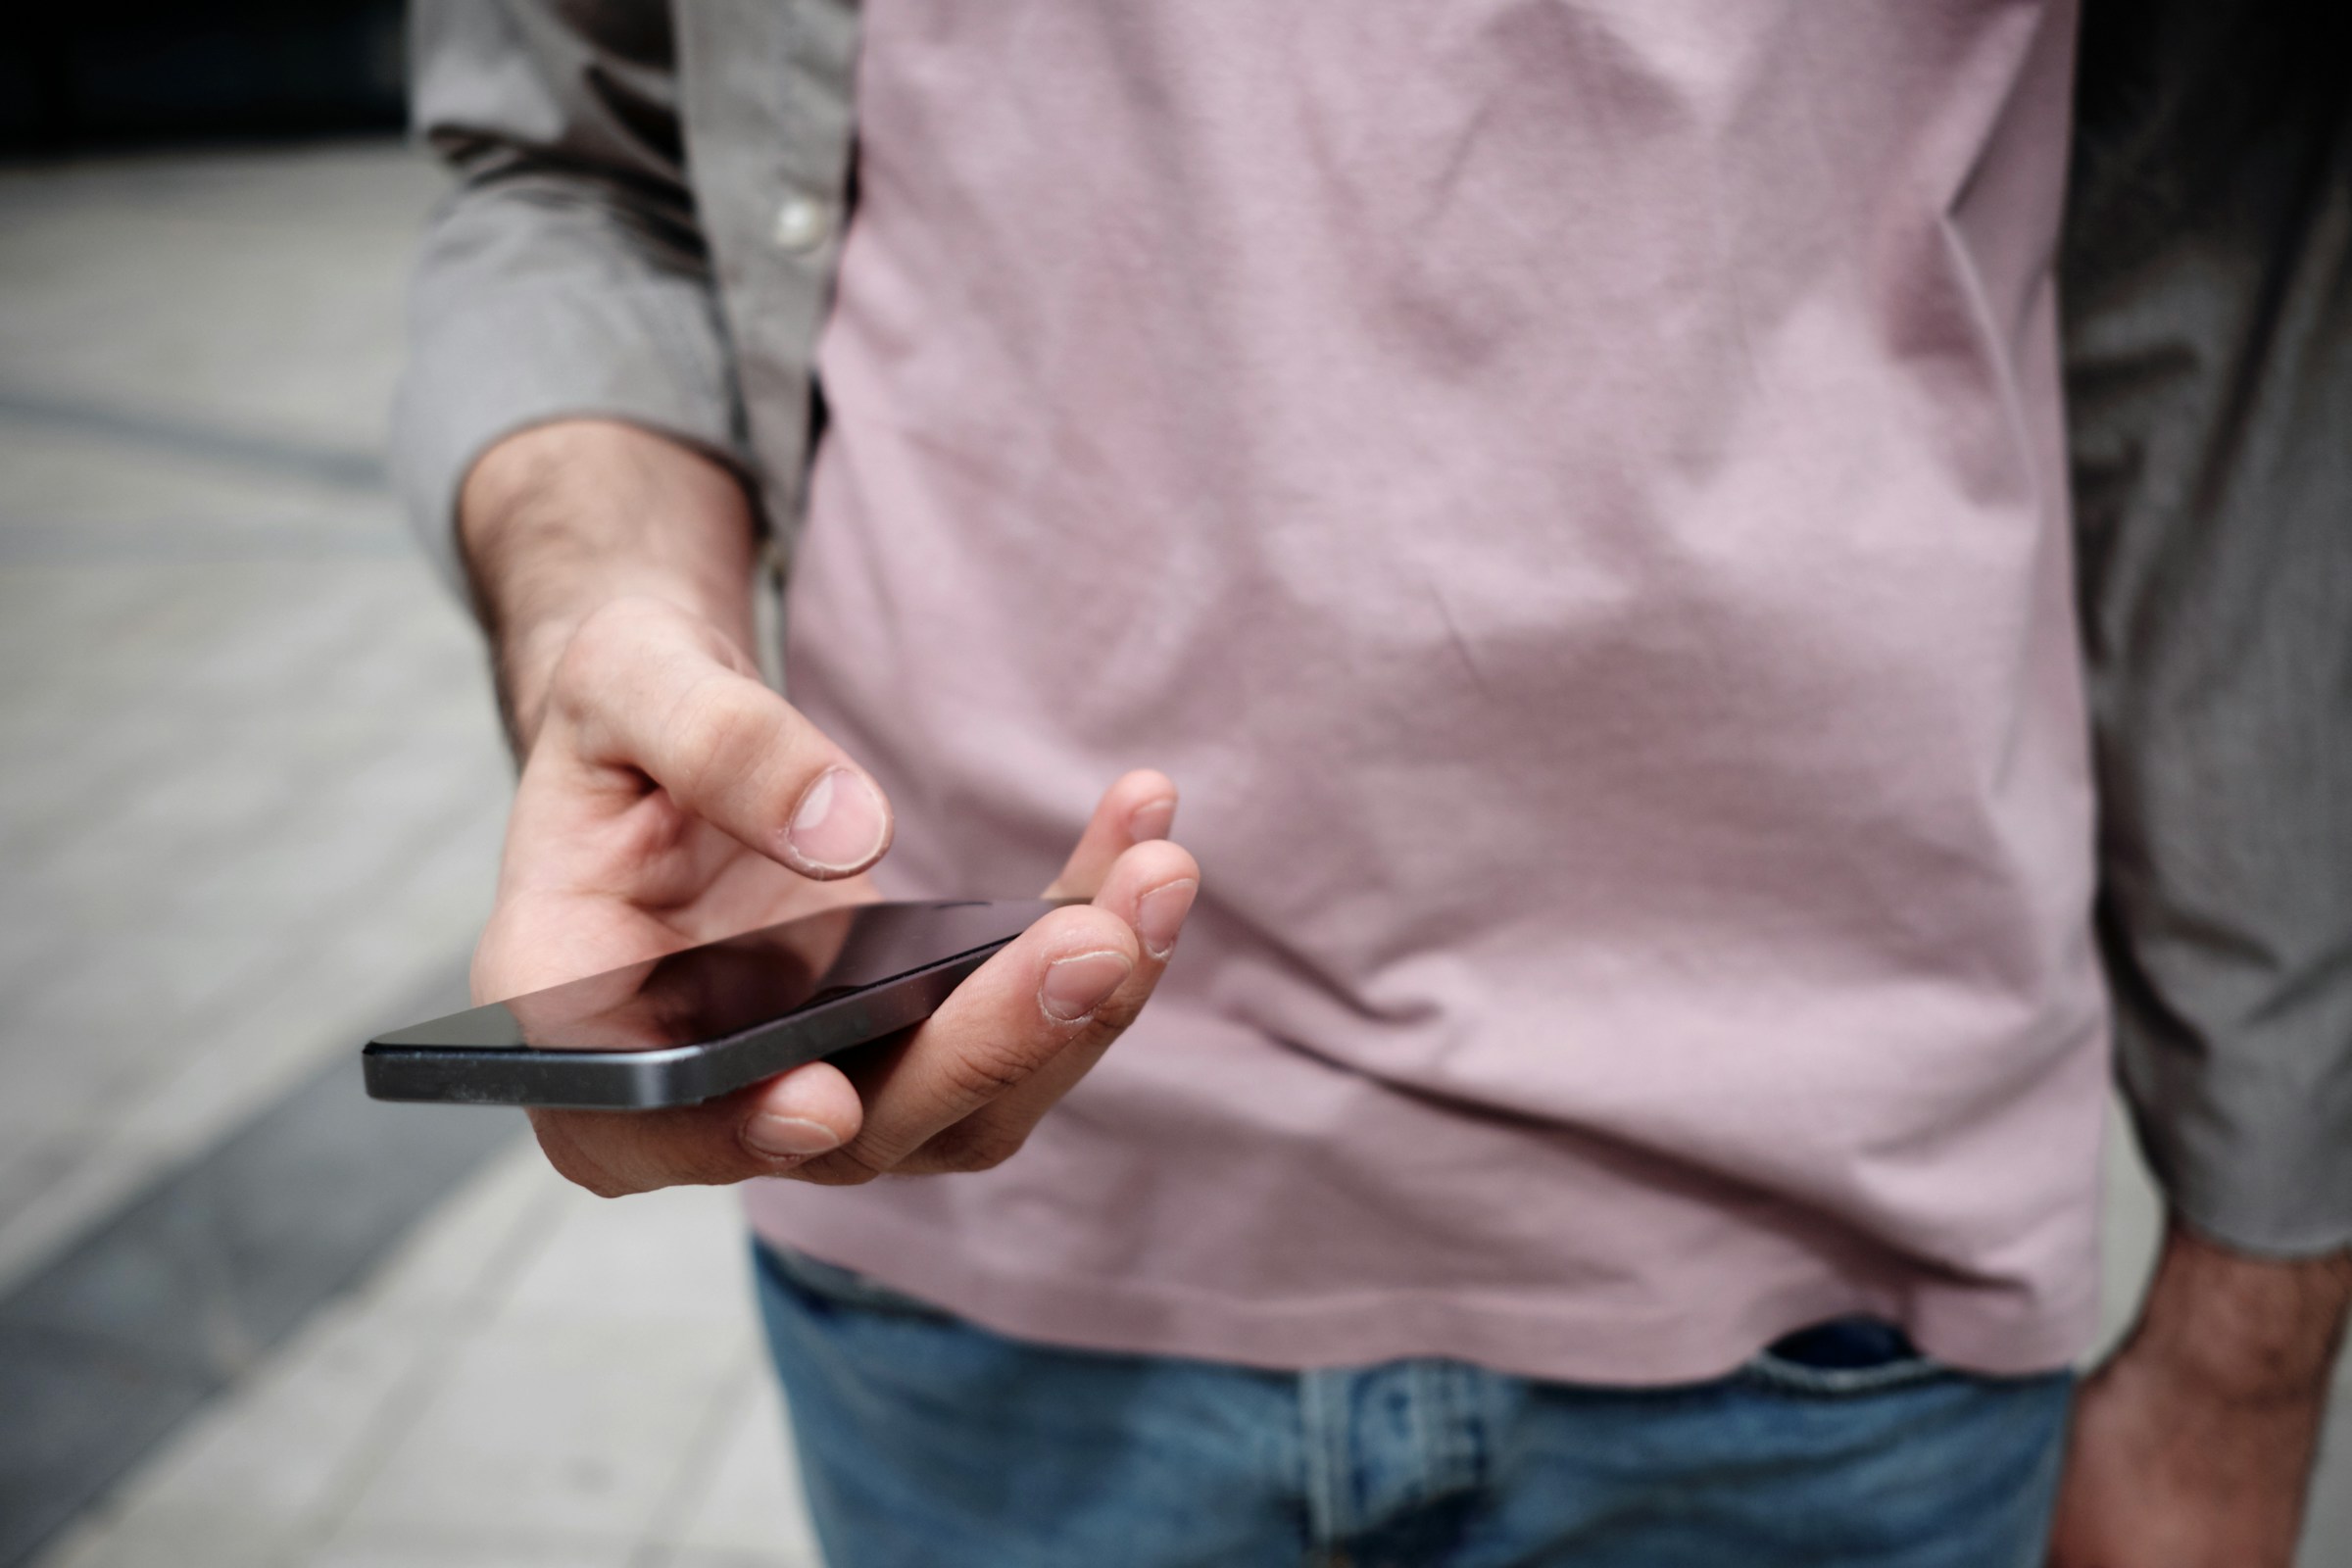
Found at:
(725, 988)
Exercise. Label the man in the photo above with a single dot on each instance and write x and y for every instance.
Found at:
(1576, 494)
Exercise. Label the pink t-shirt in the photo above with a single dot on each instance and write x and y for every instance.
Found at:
(1573, 493)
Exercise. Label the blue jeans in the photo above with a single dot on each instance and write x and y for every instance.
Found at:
(927, 1441)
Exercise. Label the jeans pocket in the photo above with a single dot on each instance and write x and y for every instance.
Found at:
(1842, 1358)
(829, 1284)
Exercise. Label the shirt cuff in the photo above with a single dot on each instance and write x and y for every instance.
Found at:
(649, 351)
(2252, 1155)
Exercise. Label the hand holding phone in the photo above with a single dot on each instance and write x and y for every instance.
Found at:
(671, 797)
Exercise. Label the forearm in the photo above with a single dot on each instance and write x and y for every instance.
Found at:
(2245, 1332)
(561, 518)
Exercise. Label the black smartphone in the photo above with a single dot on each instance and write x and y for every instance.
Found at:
(706, 1021)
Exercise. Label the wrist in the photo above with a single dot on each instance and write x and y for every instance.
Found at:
(557, 520)
(2239, 1330)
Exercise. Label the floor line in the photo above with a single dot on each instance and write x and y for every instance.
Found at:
(127, 1333)
(336, 468)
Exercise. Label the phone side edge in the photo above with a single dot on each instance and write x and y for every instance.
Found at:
(657, 1080)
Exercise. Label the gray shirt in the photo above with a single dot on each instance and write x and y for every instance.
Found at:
(2207, 289)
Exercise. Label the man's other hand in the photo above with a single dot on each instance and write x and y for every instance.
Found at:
(2193, 1446)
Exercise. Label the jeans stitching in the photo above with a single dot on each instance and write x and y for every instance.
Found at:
(1774, 1371)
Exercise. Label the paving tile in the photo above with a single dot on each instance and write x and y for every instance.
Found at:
(398, 1545)
(184, 1293)
(278, 1457)
(321, 1001)
(83, 497)
(138, 1121)
(546, 1425)
(254, 778)
(674, 1258)
(713, 1557)
(232, 740)
(752, 1508)
(66, 1197)
(212, 1537)
(254, 1001)
(322, 861)
(33, 1158)
(281, 1445)
(54, 1076)
(279, 954)
(469, 1255)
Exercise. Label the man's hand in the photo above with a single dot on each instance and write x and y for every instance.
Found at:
(669, 797)
(2193, 1446)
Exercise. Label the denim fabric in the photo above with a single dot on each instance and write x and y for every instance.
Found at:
(926, 1440)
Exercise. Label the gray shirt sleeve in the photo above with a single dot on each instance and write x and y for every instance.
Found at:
(2208, 289)
(565, 273)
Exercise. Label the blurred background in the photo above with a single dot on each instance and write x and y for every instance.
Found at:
(251, 789)
(249, 797)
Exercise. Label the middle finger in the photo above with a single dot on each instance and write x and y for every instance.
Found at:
(1014, 1014)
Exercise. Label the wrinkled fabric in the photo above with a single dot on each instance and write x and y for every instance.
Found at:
(611, 249)
(1576, 497)
(2208, 279)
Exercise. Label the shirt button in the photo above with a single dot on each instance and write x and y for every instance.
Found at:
(803, 223)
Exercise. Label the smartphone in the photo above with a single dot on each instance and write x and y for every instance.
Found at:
(706, 1021)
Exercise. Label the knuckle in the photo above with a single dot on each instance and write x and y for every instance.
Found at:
(720, 731)
(573, 679)
(984, 1068)
(852, 1165)
(592, 666)
(1110, 1020)
(607, 636)
(968, 1149)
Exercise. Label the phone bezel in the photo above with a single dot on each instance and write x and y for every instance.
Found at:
(671, 1075)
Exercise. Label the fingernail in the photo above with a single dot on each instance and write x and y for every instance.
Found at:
(1160, 915)
(780, 1136)
(1152, 820)
(841, 823)
(1075, 986)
